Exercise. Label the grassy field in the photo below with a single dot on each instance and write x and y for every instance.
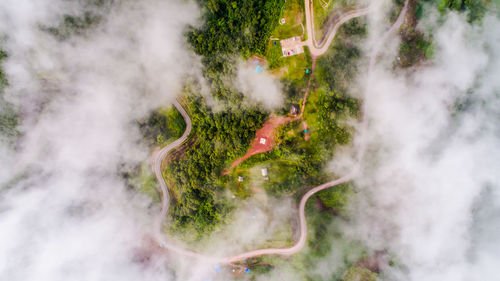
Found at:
(292, 68)
(322, 9)
(147, 184)
(294, 17)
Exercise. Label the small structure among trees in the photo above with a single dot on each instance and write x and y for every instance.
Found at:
(294, 109)
(264, 173)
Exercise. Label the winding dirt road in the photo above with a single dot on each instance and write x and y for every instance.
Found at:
(319, 49)
(158, 159)
(160, 155)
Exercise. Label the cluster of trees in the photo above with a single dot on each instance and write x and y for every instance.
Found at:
(476, 8)
(232, 29)
(220, 138)
(235, 27)
(336, 69)
(162, 126)
(414, 47)
(93, 11)
(71, 25)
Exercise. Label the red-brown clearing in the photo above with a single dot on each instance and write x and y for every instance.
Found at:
(267, 131)
(264, 139)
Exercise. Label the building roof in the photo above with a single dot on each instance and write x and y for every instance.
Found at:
(264, 172)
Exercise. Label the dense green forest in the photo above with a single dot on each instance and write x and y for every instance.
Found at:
(219, 138)
(162, 126)
(232, 29)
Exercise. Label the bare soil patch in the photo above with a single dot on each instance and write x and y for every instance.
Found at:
(266, 133)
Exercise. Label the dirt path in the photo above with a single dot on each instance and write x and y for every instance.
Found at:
(319, 49)
(267, 134)
(268, 130)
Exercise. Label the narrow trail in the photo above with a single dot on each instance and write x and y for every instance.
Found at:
(160, 155)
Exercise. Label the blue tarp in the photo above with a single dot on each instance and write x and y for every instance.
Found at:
(217, 268)
(258, 68)
(247, 270)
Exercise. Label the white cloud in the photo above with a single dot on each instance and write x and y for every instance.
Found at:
(259, 86)
(428, 163)
(70, 216)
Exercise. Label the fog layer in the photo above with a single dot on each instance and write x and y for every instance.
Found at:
(429, 186)
(65, 212)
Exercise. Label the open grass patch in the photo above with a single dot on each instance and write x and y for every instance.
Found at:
(147, 184)
(293, 15)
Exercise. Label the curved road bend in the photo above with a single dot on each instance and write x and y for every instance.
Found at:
(317, 51)
(302, 218)
(165, 197)
(157, 167)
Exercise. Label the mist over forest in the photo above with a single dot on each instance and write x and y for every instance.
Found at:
(394, 126)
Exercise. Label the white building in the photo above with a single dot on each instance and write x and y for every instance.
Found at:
(240, 178)
(264, 172)
(262, 140)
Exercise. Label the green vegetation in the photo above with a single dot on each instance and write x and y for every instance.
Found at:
(162, 126)
(234, 27)
(336, 69)
(414, 47)
(142, 179)
(291, 68)
(324, 240)
(274, 55)
(359, 274)
(220, 138)
(336, 198)
(322, 8)
(72, 25)
(294, 18)
(325, 12)
(147, 183)
(198, 188)
(476, 9)
(93, 11)
(294, 162)
(196, 181)
(8, 115)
